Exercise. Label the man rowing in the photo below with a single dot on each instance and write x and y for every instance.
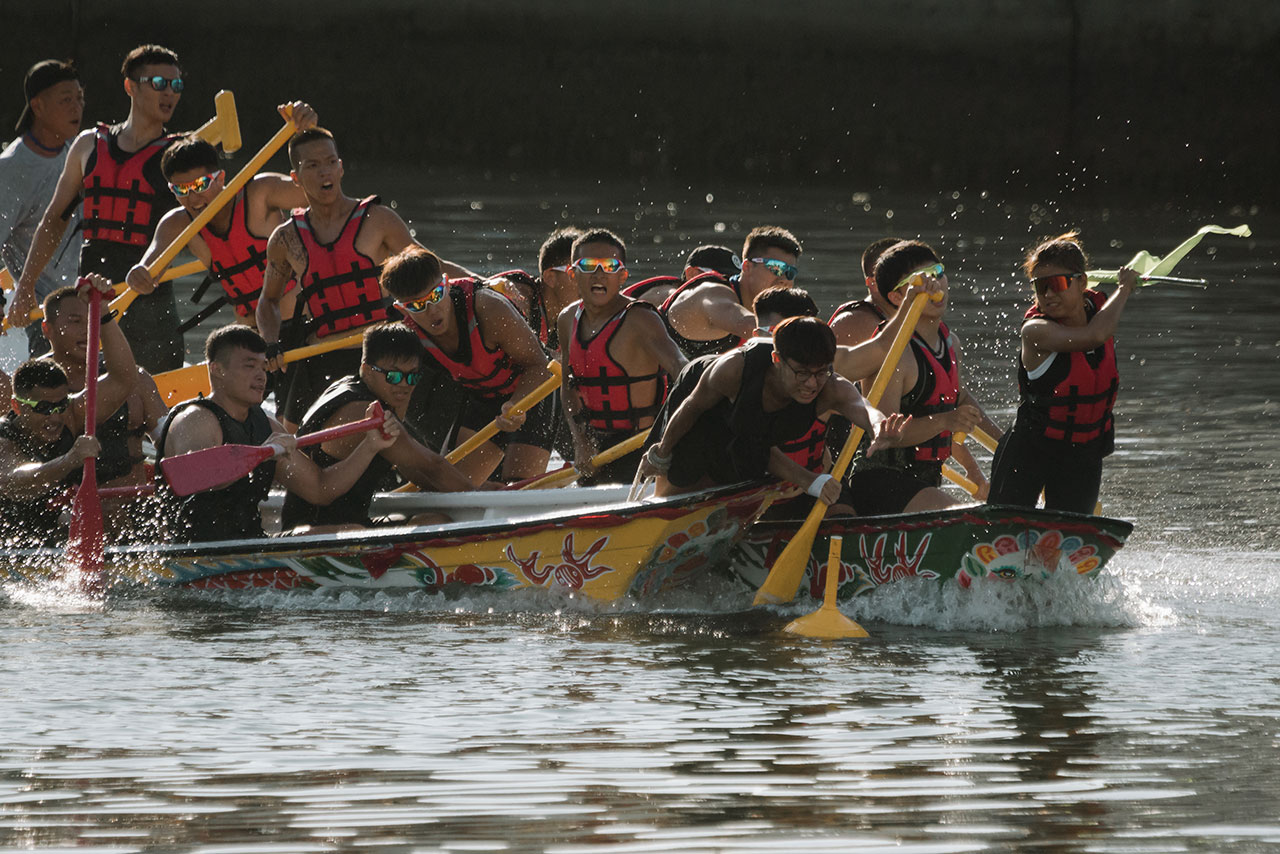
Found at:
(616, 352)
(926, 384)
(335, 248)
(232, 414)
(233, 245)
(478, 337)
(754, 398)
(42, 448)
(390, 367)
(542, 299)
(711, 314)
(29, 170)
(117, 170)
(66, 326)
(856, 321)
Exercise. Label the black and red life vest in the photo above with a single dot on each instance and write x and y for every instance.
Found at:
(637, 290)
(488, 373)
(537, 316)
(340, 285)
(1072, 399)
(688, 346)
(238, 258)
(809, 450)
(937, 389)
(122, 203)
(857, 305)
(607, 391)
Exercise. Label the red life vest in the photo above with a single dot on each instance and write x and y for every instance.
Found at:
(121, 205)
(1074, 402)
(937, 389)
(238, 258)
(689, 346)
(604, 387)
(340, 286)
(489, 373)
(642, 287)
(808, 450)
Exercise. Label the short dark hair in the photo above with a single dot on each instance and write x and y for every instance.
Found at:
(302, 137)
(409, 271)
(899, 260)
(785, 301)
(190, 152)
(222, 341)
(1064, 250)
(766, 237)
(38, 373)
(805, 340)
(53, 302)
(713, 257)
(872, 254)
(557, 249)
(598, 235)
(390, 341)
(147, 54)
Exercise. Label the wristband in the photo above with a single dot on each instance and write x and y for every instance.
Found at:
(655, 459)
(273, 350)
(109, 316)
(815, 488)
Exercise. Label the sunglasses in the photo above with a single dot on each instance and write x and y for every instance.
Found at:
(197, 185)
(779, 268)
(433, 296)
(804, 376)
(604, 265)
(934, 270)
(1057, 284)
(45, 407)
(161, 83)
(396, 377)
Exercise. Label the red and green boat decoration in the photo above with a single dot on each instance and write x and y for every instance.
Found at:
(967, 545)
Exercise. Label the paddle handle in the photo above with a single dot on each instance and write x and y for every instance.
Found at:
(568, 474)
(833, 572)
(524, 404)
(959, 480)
(320, 436)
(202, 219)
(92, 347)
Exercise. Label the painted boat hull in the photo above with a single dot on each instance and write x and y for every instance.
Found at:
(966, 546)
(600, 550)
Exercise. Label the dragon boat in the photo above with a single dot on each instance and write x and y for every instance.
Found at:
(588, 541)
(963, 545)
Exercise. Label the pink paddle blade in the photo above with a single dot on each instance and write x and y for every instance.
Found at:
(213, 467)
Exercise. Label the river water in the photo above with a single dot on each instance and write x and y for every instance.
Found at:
(1138, 713)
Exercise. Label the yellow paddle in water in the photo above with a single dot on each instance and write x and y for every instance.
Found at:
(555, 479)
(187, 382)
(122, 303)
(827, 622)
(788, 570)
(490, 430)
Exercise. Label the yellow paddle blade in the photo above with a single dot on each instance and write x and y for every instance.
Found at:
(6, 280)
(827, 622)
(183, 383)
(224, 127)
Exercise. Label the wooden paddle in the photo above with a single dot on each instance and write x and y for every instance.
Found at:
(568, 474)
(175, 273)
(224, 127)
(788, 570)
(250, 169)
(187, 382)
(197, 471)
(85, 545)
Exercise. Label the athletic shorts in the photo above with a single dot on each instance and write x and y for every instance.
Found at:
(880, 490)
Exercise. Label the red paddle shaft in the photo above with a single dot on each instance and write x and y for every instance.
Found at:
(198, 471)
(85, 545)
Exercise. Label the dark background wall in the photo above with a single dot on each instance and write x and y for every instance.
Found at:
(1174, 99)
